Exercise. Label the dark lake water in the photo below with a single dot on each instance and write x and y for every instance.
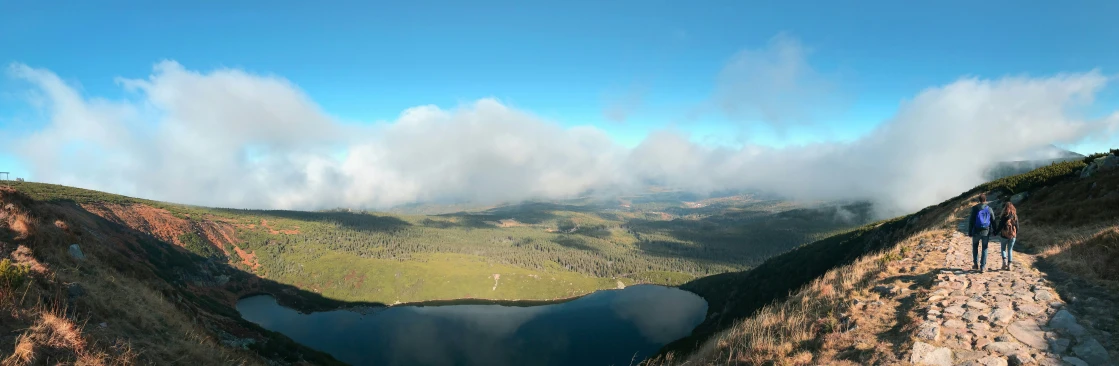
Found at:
(616, 327)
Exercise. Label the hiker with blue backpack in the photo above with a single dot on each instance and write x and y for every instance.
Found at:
(979, 229)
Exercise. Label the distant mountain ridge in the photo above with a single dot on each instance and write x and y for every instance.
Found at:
(1029, 161)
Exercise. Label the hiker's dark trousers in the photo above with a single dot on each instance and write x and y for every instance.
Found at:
(980, 257)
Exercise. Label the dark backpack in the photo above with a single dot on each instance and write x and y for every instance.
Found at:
(983, 218)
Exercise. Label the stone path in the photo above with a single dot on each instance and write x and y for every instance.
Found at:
(997, 317)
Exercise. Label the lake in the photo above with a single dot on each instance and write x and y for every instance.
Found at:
(615, 327)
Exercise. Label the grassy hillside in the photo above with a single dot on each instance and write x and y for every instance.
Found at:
(1072, 219)
(129, 299)
(540, 250)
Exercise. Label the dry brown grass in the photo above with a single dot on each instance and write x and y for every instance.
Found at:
(1088, 252)
(117, 319)
(52, 339)
(820, 324)
(1075, 227)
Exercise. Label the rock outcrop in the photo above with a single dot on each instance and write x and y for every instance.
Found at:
(1101, 164)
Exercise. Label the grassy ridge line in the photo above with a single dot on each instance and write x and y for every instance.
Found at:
(735, 296)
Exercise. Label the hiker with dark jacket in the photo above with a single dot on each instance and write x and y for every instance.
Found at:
(1007, 225)
(979, 229)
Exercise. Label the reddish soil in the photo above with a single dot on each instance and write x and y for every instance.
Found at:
(352, 277)
(221, 234)
(157, 222)
(165, 226)
(264, 223)
(246, 258)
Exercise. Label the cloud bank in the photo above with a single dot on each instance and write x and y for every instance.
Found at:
(229, 138)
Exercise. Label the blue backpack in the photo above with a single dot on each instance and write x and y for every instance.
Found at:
(983, 218)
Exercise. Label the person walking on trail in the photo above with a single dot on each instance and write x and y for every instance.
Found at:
(979, 229)
(1007, 225)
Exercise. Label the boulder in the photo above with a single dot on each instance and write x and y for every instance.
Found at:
(1106, 163)
(1088, 170)
(1018, 198)
(1101, 164)
(1059, 345)
(1092, 352)
(76, 252)
(927, 354)
(929, 331)
(1064, 321)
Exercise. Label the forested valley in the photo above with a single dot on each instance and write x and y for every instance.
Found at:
(531, 250)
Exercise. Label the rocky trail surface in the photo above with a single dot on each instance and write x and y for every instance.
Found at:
(997, 317)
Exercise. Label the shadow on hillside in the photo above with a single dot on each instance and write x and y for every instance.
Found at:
(574, 242)
(351, 220)
(530, 213)
(464, 221)
(1076, 228)
(742, 238)
(196, 283)
(527, 212)
(1096, 300)
(737, 295)
(1092, 299)
(904, 323)
(707, 251)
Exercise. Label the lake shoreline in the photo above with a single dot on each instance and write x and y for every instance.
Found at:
(613, 326)
(300, 304)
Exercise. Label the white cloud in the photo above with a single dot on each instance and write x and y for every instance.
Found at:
(233, 139)
(936, 146)
(773, 85)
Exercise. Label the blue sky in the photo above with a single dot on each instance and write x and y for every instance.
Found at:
(568, 61)
(370, 60)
